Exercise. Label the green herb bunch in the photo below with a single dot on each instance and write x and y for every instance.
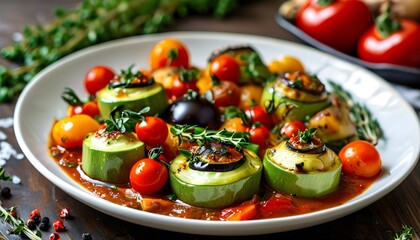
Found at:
(93, 22)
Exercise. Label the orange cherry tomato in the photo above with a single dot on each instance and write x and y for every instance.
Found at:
(69, 132)
(360, 158)
(286, 64)
(169, 52)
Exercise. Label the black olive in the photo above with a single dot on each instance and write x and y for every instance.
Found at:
(196, 111)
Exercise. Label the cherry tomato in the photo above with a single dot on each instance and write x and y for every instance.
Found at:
(89, 108)
(148, 176)
(153, 131)
(401, 47)
(97, 78)
(180, 87)
(250, 93)
(286, 64)
(225, 93)
(225, 68)
(338, 24)
(291, 129)
(259, 114)
(169, 52)
(259, 135)
(69, 132)
(360, 158)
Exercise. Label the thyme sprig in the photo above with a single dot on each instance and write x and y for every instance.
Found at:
(18, 224)
(405, 234)
(192, 133)
(367, 127)
(90, 23)
(124, 120)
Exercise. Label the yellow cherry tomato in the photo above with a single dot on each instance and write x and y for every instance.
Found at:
(69, 132)
(250, 94)
(286, 64)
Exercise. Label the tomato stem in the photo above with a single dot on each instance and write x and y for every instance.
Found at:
(323, 3)
(386, 24)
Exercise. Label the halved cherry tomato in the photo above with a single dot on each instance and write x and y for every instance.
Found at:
(148, 176)
(97, 78)
(259, 114)
(153, 131)
(400, 47)
(291, 129)
(360, 158)
(245, 211)
(69, 132)
(336, 23)
(226, 68)
(169, 52)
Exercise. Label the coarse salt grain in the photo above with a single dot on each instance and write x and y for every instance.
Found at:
(6, 122)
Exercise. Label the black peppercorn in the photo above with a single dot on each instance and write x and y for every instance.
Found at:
(6, 193)
(31, 224)
(86, 236)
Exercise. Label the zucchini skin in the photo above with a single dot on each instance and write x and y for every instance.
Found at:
(301, 184)
(135, 99)
(214, 195)
(110, 166)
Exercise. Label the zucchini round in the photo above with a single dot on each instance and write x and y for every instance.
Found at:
(295, 101)
(109, 156)
(212, 189)
(134, 99)
(301, 174)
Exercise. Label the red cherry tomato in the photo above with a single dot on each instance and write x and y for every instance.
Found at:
(225, 93)
(291, 129)
(153, 131)
(360, 158)
(259, 135)
(97, 78)
(180, 87)
(225, 68)
(338, 24)
(169, 52)
(259, 114)
(148, 176)
(89, 108)
(400, 47)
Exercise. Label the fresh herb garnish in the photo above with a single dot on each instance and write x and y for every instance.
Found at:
(367, 128)
(191, 133)
(90, 23)
(307, 135)
(405, 234)
(188, 75)
(124, 120)
(128, 76)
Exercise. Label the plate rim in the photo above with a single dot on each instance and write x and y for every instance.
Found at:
(208, 227)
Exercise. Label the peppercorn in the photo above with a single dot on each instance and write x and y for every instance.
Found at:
(59, 226)
(54, 236)
(44, 227)
(6, 193)
(45, 220)
(31, 224)
(86, 236)
(35, 215)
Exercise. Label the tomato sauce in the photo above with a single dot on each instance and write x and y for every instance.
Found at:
(70, 160)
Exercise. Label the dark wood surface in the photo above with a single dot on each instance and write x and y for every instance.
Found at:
(380, 220)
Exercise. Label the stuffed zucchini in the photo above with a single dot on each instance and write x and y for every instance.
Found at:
(109, 156)
(295, 95)
(302, 166)
(216, 171)
(133, 91)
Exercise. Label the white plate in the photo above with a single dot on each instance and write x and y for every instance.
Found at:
(40, 103)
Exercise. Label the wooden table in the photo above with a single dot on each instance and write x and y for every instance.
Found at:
(380, 220)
